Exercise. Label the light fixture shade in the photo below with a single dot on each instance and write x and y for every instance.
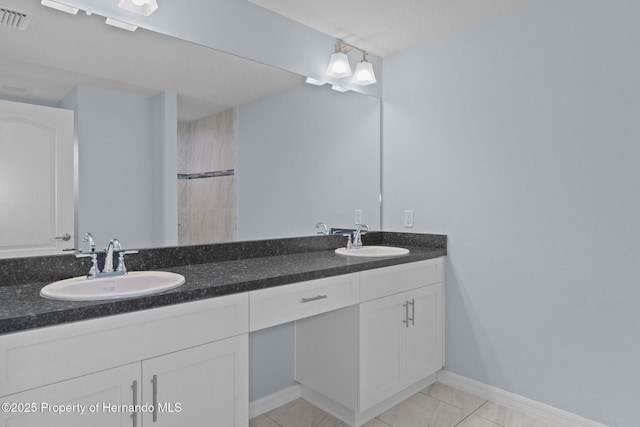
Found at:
(142, 7)
(339, 66)
(364, 74)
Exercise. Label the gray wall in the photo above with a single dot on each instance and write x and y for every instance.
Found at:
(307, 152)
(519, 139)
(271, 360)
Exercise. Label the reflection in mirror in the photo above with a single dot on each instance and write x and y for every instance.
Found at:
(181, 144)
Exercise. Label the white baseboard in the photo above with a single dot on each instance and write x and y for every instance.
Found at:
(273, 401)
(536, 409)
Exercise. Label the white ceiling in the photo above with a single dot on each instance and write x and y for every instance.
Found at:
(58, 50)
(384, 27)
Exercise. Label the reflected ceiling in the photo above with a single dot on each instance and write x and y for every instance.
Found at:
(57, 51)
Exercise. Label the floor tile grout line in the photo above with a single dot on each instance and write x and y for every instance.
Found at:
(485, 418)
(277, 423)
(454, 406)
(383, 422)
(462, 420)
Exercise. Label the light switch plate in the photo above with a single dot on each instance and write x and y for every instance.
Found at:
(408, 219)
(357, 216)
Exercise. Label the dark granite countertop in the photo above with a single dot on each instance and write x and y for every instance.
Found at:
(21, 306)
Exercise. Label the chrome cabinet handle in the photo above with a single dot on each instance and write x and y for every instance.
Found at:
(134, 414)
(406, 314)
(154, 381)
(413, 312)
(66, 237)
(316, 298)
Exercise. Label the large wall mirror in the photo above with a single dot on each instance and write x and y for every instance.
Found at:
(177, 143)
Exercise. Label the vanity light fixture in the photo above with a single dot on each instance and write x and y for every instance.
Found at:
(59, 6)
(339, 66)
(120, 24)
(142, 7)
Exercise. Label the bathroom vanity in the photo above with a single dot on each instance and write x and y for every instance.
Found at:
(369, 333)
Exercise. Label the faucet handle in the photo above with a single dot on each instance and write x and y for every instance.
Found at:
(93, 271)
(121, 267)
(349, 241)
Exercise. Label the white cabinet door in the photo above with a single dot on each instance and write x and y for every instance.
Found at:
(96, 400)
(424, 335)
(400, 342)
(202, 386)
(36, 179)
(381, 338)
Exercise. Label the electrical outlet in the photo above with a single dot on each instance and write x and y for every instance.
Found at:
(357, 216)
(408, 219)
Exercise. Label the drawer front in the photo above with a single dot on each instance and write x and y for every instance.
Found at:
(281, 304)
(385, 281)
(43, 356)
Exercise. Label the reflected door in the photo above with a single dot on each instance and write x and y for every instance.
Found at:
(36, 180)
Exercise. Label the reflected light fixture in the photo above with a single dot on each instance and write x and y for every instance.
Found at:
(339, 88)
(315, 82)
(142, 7)
(339, 66)
(120, 24)
(59, 6)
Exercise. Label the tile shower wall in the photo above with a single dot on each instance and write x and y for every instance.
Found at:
(206, 182)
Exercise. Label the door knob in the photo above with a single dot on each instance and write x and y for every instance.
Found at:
(66, 237)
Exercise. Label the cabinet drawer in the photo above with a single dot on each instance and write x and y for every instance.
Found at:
(385, 281)
(281, 304)
(43, 356)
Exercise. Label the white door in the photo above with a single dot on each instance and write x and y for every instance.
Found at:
(381, 338)
(202, 386)
(424, 334)
(102, 399)
(36, 179)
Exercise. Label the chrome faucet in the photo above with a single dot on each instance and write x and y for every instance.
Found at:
(325, 230)
(362, 229)
(107, 270)
(114, 244)
(88, 237)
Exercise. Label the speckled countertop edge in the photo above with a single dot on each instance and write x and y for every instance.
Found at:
(22, 308)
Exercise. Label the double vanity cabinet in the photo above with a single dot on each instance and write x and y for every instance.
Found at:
(364, 341)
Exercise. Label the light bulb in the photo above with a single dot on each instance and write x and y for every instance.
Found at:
(139, 2)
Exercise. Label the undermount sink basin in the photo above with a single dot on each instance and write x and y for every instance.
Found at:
(134, 284)
(373, 251)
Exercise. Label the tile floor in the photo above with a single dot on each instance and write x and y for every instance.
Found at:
(436, 406)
